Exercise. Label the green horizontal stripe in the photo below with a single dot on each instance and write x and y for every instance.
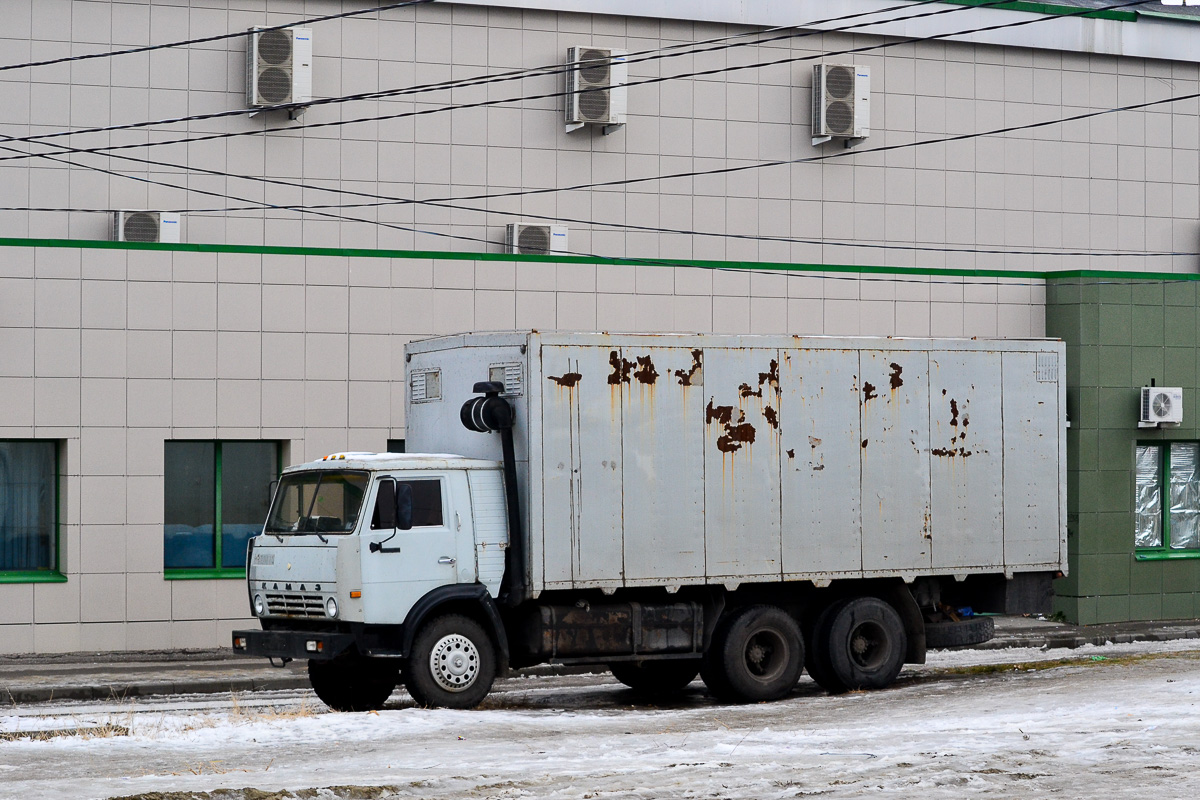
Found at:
(448, 255)
(1051, 8)
(443, 255)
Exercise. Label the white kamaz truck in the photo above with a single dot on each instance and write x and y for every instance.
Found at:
(738, 507)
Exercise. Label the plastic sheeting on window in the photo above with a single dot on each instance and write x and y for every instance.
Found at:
(1185, 496)
(1148, 500)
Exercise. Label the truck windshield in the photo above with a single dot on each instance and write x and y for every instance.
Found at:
(318, 502)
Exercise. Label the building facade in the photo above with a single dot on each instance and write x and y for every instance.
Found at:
(149, 392)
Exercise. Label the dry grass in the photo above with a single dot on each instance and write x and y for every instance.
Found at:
(105, 730)
(271, 713)
(118, 724)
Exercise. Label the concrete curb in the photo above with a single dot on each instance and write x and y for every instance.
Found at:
(160, 682)
(1071, 641)
(121, 691)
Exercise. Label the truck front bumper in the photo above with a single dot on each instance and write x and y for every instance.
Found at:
(292, 644)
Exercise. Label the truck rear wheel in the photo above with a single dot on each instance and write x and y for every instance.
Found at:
(656, 677)
(864, 644)
(353, 682)
(817, 662)
(452, 663)
(757, 655)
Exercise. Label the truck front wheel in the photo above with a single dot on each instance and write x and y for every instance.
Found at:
(452, 663)
(757, 655)
(353, 682)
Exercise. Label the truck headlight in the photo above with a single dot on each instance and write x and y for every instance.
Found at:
(260, 606)
(331, 608)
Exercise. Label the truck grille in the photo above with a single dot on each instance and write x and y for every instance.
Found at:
(295, 604)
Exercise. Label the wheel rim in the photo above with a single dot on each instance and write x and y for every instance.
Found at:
(869, 646)
(766, 654)
(454, 662)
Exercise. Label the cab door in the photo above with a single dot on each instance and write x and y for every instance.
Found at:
(400, 566)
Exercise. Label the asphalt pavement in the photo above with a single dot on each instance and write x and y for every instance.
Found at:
(97, 676)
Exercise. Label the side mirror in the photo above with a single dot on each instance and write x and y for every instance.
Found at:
(384, 517)
(404, 506)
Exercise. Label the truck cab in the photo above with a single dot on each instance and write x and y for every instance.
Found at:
(360, 550)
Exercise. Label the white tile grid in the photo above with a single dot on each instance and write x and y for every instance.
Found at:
(691, 300)
(900, 78)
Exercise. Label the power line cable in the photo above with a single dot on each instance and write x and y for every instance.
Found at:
(658, 262)
(392, 201)
(215, 38)
(40, 138)
(384, 200)
(653, 54)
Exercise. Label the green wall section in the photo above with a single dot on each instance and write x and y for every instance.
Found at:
(1121, 334)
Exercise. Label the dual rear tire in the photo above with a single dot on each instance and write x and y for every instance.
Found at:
(757, 654)
(857, 643)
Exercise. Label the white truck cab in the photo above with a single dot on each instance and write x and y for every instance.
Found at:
(355, 541)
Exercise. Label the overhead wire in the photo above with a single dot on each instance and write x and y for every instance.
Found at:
(830, 272)
(667, 51)
(214, 38)
(383, 200)
(314, 208)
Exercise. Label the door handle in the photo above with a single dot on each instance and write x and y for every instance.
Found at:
(448, 560)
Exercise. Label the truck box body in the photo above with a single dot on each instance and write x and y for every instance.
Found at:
(681, 460)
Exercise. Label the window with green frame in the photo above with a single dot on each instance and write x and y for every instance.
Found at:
(216, 496)
(1167, 500)
(29, 481)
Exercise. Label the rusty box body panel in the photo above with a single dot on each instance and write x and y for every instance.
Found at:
(675, 460)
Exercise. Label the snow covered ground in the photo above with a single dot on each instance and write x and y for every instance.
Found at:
(1118, 721)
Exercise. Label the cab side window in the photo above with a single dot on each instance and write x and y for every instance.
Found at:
(426, 503)
(418, 500)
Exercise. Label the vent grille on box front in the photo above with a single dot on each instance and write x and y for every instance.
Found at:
(508, 375)
(1046, 369)
(425, 386)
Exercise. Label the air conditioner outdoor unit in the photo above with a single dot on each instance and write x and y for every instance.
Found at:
(536, 240)
(145, 226)
(278, 66)
(596, 92)
(841, 95)
(1161, 405)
